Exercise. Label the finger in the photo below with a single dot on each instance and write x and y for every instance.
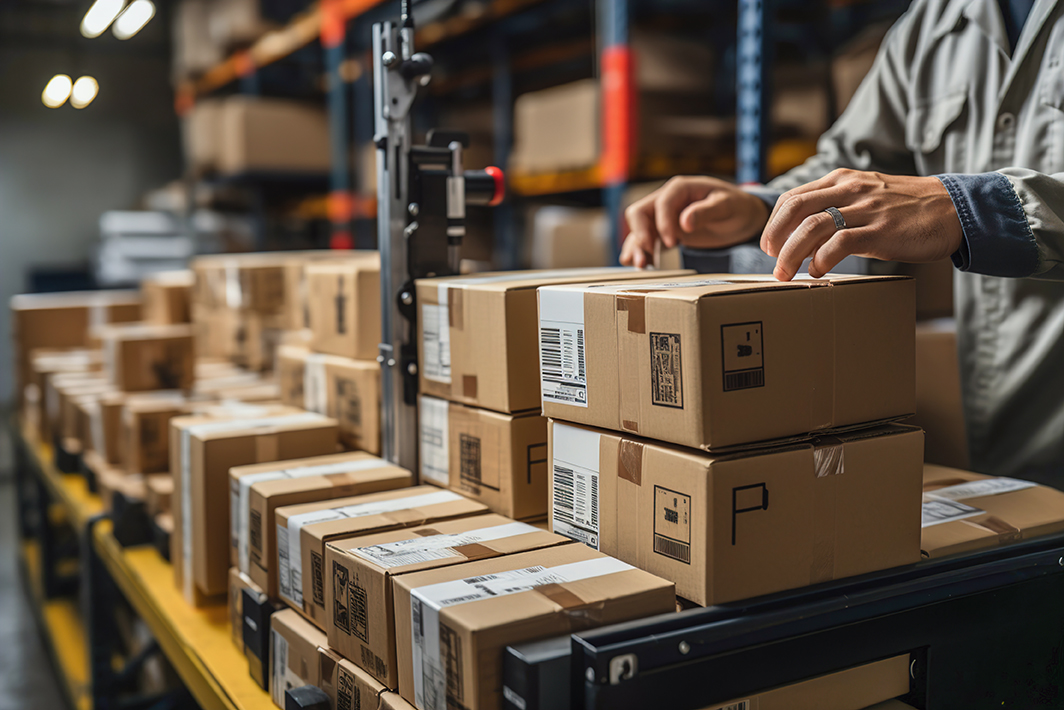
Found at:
(813, 232)
(702, 214)
(796, 210)
(631, 252)
(642, 232)
(674, 197)
(825, 182)
(846, 242)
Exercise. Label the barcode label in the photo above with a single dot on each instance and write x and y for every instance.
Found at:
(562, 352)
(742, 355)
(980, 488)
(284, 565)
(671, 548)
(279, 652)
(436, 339)
(939, 510)
(575, 491)
(435, 547)
(317, 578)
(743, 380)
(666, 371)
(434, 430)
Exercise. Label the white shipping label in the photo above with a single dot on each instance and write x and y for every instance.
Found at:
(562, 354)
(980, 488)
(436, 338)
(434, 453)
(575, 493)
(315, 384)
(279, 658)
(435, 547)
(241, 518)
(430, 673)
(936, 511)
(290, 572)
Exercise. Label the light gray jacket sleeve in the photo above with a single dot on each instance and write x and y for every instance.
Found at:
(1041, 197)
(870, 134)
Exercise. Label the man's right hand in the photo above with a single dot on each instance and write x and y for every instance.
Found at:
(701, 212)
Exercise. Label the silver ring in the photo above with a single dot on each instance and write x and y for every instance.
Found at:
(840, 221)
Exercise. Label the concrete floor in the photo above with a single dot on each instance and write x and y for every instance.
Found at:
(27, 681)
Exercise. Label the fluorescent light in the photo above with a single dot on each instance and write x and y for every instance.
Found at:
(100, 16)
(133, 19)
(57, 91)
(85, 90)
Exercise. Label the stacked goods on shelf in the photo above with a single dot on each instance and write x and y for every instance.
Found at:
(304, 530)
(964, 511)
(481, 430)
(726, 408)
(168, 297)
(203, 448)
(141, 357)
(334, 371)
(295, 660)
(348, 686)
(256, 491)
(374, 562)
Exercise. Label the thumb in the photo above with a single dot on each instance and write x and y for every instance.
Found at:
(704, 213)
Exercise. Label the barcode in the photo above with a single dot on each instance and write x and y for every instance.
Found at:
(316, 578)
(482, 578)
(359, 612)
(743, 380)
(340, 616)
(462, 599)
(671, 548)
(564, 490)
(284, 566)
(666, 372)
(550, 357)
(451, 650)
(256, 530)
(469, 455)
(416, 623)
(563, 368)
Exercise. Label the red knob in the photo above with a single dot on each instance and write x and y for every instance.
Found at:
(500, 184)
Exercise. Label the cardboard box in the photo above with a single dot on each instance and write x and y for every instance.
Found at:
(257, 338)
(393, 701)
(934, 287)
(145, 426)
(348, 686)
(140, 357)
(167, 297)
(540, 114)
(202, 450)
(476, 339)
(62, 320)
(964, 512)
(257, 490)
(238, 582)
(296, 312)
(272, 135)
(462, 620)
(160, 492)
(570, 237)
(304, 530)
(46, 362)
(99, 425)
(848, 689)
(347, 390)
(294, 658)
(345, 305)
(744, 524)
(370, 564)
(498, 459)
(725, 360)
(257, 609)
(939, 403)
(72, 419)
(291, 368)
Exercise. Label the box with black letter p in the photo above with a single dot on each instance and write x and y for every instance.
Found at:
(729, 527)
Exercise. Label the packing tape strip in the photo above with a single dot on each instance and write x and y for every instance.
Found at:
(635, 306)
(829, 460)
(630, 461)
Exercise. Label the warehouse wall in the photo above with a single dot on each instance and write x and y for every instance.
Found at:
(60, 168)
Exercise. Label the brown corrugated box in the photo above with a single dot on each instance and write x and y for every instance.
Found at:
(728, 359)
(140, 357)
(393, 701)
(202, 450)
(257, 490)
(348, 686)
(849, 689)
(344, 296)
(939, 404)
(745, 524)
(965, 511)
(312, 525)
(294, 657)
(348, 391)
(290, 372)
(167, 297)
(43, 363)
(579, 588)
(160, 493)
(62, 320)
(238, 582)
(265, 134)
(145, 424)
(477, 335)
(498, 459)
(371, 563)
(257, 337)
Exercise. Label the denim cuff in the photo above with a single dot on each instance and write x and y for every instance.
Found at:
(997, 239)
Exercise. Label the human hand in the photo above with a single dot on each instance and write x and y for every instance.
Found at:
(890, 217)
(701, 212)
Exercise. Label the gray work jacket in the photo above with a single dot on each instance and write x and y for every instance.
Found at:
(945, 96)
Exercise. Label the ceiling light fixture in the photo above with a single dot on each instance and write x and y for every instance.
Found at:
(84, 91)
(100, 16)
(57, 91)
(133, 19)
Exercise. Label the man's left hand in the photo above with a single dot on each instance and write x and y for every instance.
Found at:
(889, 217)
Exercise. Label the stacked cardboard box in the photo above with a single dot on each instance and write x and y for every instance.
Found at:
(702, 426)
(481, 429)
